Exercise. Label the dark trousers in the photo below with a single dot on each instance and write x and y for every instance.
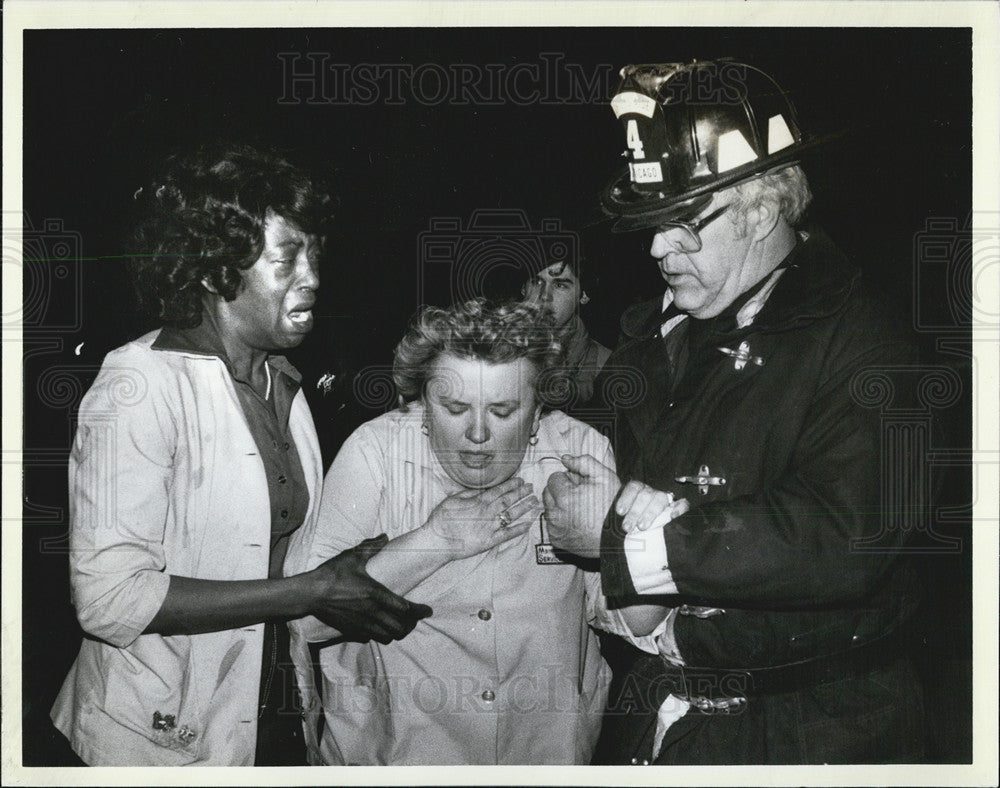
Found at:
(279, 724)
(876, 717)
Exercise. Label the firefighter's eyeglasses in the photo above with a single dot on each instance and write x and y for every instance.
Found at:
(689, 239)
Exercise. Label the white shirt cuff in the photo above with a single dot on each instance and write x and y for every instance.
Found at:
(667, 642)
(646, 555)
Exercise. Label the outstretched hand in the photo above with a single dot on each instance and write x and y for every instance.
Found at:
(347, 599)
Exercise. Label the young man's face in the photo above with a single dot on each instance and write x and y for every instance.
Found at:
(558, 290)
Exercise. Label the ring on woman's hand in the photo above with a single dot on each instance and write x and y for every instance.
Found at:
(504, 517)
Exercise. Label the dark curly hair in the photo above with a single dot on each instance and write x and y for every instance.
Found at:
(204, 220)
(478, 329)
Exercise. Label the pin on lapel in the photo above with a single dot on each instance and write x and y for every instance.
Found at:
(742, 356)
(704, 480)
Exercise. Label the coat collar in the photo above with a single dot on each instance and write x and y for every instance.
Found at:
(575, 340)
(816, 282)
(203, 340)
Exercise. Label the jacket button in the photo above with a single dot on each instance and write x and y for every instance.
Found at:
(485, 615)
(489, 696)
(284, 514)
(285, 445)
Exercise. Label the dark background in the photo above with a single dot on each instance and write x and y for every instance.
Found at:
(103, 106)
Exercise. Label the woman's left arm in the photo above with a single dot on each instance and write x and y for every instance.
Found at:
(463, 524)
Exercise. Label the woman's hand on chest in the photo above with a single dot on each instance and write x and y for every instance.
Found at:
(470, 522)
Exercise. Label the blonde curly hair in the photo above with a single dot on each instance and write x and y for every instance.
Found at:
(477, 329)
